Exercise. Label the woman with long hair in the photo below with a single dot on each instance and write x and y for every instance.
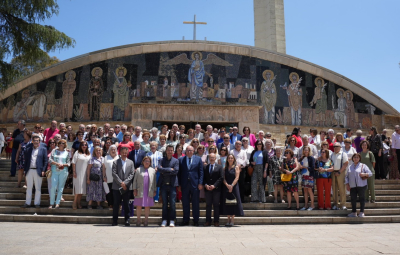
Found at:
(95, 175)
(275, 170)
(172, 139)
(291, 166)
(231, 205)
(368, 158)
(296, 133)
(292, 146)
(307, 162)
(223, 153)
(126, 142)
(109, 159)
(247, 133)
(376, 147)
(20, 158)
(259, 159)
(80, 161)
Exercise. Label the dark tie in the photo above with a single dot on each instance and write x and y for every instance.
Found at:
(211, 168)
(136, 152)
(190, 161)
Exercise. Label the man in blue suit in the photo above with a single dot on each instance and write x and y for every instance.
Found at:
(190, 179)
(137, 155)
(235, 136)
(35, 168)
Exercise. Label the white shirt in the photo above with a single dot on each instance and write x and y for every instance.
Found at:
(316, 140)
(240, 156)
(395, 141)
(34, 157)
(137, 138)
(313, 148)
(248, 151)
(155, 158)
(337, 160)
(123, 165)
(108, 163)
(350, 154)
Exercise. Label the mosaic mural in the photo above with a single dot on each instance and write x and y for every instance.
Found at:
(103, 91)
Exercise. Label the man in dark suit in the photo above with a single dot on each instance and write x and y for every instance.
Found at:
(137, 155)
(35, 168)
(213, 177)
(226, 142)
(235, 136)
(190, 178)
(168, 181)
(122, 171)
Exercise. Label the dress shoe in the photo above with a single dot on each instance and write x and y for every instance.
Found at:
(37, 206)
(196, 224)
(25, 206)
(207, 224)
(127, 224)
(185, 223)
(216, 224)
(114, 224)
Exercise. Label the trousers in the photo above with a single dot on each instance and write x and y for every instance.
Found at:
(13, 170)
(379, 173)
(168, 195)
(58, 179)
(213, 198)
(190, 193)
(370, 191)
(125, 203)
(257, 187)
(32, 177)
(354, 192)
(339, 189)
(324, 184)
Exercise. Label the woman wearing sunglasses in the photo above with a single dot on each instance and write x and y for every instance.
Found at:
(291, 166)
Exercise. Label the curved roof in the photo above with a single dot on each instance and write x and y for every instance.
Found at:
(165, 46)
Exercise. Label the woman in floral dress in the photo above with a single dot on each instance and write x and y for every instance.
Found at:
(291, 166)
(275, 166)
(95, 191)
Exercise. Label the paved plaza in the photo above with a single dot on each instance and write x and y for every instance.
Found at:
(39, 238)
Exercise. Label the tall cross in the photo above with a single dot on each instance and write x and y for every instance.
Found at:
(194, 22)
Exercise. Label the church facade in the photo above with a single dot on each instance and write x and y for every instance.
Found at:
(194, 81)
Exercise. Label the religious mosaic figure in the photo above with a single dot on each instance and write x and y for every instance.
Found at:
(268, 96)
(320, 101)
(95, 93)
(340, 112)
(350, 111)
(68, 88)
(20, 109)
(196, 72)
(121, 93)
(295, 94)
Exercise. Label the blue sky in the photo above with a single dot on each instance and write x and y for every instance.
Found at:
(359, 39)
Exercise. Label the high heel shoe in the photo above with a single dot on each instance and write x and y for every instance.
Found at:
(146, 223)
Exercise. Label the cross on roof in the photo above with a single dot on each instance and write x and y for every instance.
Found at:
(194, 22)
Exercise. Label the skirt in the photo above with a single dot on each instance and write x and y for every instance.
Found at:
(307, 181)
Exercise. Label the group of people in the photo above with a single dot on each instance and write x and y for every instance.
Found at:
(222, 168)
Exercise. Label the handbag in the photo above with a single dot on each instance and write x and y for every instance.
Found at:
(364, 177)
(94, 177)
(286, 177)
(231, 201)
(48, 173)
(250, 170)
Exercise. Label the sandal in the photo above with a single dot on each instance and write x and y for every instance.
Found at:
(79, 206)
(50, 207)
(89, 207)
(57, 207)
(74, 206)
(146, 223)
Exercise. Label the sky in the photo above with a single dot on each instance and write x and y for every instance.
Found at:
(358, 39)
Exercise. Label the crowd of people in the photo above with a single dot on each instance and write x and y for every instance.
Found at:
(221, 168)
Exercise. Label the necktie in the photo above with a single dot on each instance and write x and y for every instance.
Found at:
(136, 152)
(190, 161)
(211, 168)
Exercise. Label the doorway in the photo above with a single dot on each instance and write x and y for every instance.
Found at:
(192, 124)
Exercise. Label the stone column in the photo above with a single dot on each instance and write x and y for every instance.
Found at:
(269, 25)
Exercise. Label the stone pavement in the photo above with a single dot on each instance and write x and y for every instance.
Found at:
(35, 238)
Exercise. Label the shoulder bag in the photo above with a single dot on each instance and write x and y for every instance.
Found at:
(286, 177)
(95, 177)
(365, 177)
(231, 201)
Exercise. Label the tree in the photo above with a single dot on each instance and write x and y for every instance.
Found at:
(24, 39)
(25, 67)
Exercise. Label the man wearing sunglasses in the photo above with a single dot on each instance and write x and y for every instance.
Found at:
(226, 143)
(220, 139)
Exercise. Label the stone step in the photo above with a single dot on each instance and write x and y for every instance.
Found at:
(23, 190)
(238, 220)
(179, 212)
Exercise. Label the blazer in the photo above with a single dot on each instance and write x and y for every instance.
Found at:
(119, 176)
(140, 157)
(138, 181)
(311, 165)
(239, 137)
(265, 157)
(41, 159)
(215, 177)
(164, 168)
(192, 176)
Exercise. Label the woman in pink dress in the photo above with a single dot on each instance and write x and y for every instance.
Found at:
(247, 133)
(144, 189)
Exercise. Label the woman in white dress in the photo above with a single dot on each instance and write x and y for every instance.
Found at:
(80, 162)
(111, 156)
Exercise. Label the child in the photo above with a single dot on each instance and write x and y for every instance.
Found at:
(9, 142)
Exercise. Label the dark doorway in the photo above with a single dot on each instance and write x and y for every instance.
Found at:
(192, 124)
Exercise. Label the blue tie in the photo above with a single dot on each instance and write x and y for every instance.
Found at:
(211, 168)
(190, 161)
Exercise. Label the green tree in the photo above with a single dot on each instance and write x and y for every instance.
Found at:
(24, 39)
(25, 67)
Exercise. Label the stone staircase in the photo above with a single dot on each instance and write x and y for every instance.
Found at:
(385, 210)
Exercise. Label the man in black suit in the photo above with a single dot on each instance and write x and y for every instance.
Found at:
(137, 155)
(213, 177)
(122, 172)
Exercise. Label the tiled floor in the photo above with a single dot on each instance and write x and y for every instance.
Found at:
(35, 238)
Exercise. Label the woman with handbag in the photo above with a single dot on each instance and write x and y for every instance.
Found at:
(111, 156)
(80, 161)
(307, 162)
(324, 180)
(356, 183)
(290, 178)
(275, 171)
(95, 175)
(59, 161)
(368, 158)
(259, 160)
(144, 190)
(231, 205)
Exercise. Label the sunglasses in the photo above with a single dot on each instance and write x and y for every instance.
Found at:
(181, 137)
(88, 128)
(287, 153)
(226, 138)
(84, 145)
(223, 150)
(37, 127)
(116, 127)
(337, 146)
(127, 135)
(52, 143)
(211, 141)
(245, 141)
(61, 143)
(195, 142)
(323, 152)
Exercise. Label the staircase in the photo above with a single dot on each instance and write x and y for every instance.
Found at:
(385, 210)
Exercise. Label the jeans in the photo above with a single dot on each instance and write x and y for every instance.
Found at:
(157, 196)
(168, 195)
(360, 191)
(13, 164)
(58, 179)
